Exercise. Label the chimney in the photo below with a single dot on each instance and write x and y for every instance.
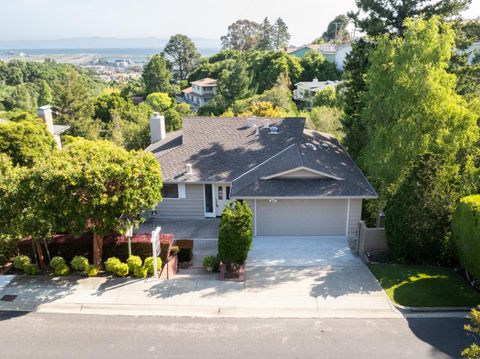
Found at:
(45, 113)
(157, 128)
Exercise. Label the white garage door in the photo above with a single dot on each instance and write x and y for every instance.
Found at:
(325, 217)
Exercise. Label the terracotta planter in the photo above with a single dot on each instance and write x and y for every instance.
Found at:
(233, 276)
(170, 268)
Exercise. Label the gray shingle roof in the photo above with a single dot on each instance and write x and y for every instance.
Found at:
(227, 150)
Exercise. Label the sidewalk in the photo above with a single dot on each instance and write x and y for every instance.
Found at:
(195, 295)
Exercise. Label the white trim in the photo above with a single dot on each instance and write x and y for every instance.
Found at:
(182, 192)
(299, 168)
(306, 197)
(348, 217)
(268, 159)
(255, 218)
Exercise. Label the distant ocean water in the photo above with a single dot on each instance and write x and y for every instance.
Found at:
(139, 54)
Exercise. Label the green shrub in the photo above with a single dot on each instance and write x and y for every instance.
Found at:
(149, 264)
(235, 235)
(418, 216)
(140, 272)
(473, 352)
(62, 270)
(56, 262)
(31, 269)
(134, 262)
(120, 269)
(466, 234)
(79, 263)
(20, 262)
(91, 270)
(211, 262)
(8, 246)
(111, 263)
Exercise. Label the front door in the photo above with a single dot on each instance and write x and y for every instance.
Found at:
(222, 198)
(209, 200)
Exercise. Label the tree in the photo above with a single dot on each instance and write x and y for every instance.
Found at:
(281, 36)
(316, 66)
(262, 109)
(353, 98)
(102, 188)
(235, 234)
(418, 215)
(388, 16)
(74, 105)
(234, 84)
(325, 119)
(26, 142)
(157, 76)
(473, 352)
(45, 93)
(326, 97)
(265, 43)
(183, 54)
(411, 104)
(337, 29)
(159, 101)
(242, 35)
(104, 106)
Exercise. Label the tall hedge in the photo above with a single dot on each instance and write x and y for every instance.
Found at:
(466, 234)
(235, 235)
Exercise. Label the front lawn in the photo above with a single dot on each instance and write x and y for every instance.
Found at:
(424, 286)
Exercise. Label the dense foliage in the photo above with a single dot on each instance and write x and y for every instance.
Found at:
(473, 352)
(235, 235)
(466, 234)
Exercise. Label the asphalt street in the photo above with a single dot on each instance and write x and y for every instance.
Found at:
(44, 335)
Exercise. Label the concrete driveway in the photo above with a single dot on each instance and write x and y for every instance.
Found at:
(318, 271)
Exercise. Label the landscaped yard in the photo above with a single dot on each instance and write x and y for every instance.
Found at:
(424, 286)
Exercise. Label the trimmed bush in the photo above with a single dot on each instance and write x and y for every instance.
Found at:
(111, 263)
(31, 269)
(235, 235)
(140, 272)
(21, 261)
(79, 263)
(57, 262)
(120, 270)
(62, 270)
(148, 263)
(466, 234)
(134, 262)
(91, 270)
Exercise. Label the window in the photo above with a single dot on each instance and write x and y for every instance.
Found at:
(220, 193)
(170, 190)
(228, 192)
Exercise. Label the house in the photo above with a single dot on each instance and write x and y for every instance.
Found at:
(201, 92)
(327, 50)
(305, 91)
(45, 114)
(298, 182)
(341, 54)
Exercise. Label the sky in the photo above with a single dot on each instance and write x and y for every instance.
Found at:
(60, 19)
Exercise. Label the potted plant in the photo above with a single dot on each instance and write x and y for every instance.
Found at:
(211, 263)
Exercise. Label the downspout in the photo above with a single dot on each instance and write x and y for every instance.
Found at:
(348, 217)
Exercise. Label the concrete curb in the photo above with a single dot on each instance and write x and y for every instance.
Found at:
(203, 311)
(429, 309)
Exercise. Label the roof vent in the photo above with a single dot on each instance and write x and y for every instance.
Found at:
(273, 130)
(266, 123)
(325, 145)
(311, 146)
(251, 121)
(189, 169)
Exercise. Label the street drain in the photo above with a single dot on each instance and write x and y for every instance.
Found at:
(8, 298)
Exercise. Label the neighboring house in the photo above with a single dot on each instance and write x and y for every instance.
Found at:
(327, 50)
(298, 182)
(201, 92)
(341, 54)
(305, 91)
(45, 113)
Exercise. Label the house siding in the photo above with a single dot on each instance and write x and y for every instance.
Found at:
(191, 207)
(354, 217)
